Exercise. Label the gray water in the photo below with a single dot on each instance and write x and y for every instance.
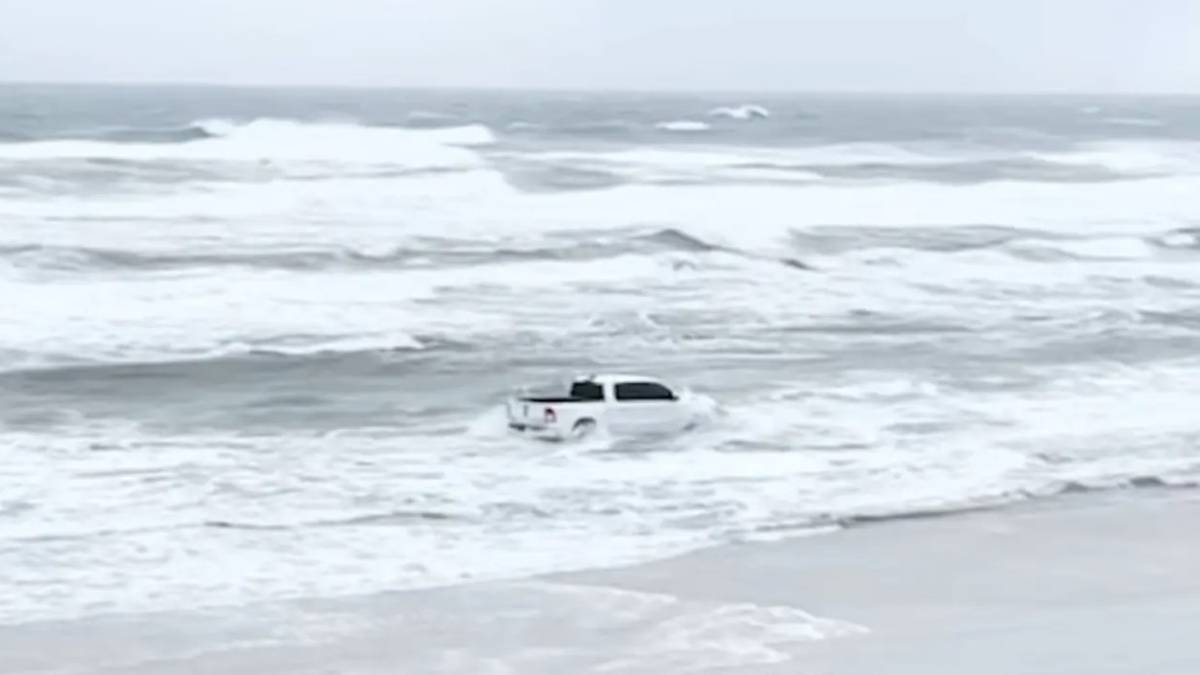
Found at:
(253, 343)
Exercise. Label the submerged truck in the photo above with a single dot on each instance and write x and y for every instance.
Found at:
(617, 404)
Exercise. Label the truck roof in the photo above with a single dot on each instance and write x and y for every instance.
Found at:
(616, 378)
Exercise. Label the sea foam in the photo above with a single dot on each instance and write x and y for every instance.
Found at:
(741, 112)
(273, 140)
(684, 125)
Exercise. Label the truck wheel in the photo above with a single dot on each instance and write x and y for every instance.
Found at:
(583, 427)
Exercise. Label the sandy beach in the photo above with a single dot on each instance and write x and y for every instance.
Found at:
(1085, 584)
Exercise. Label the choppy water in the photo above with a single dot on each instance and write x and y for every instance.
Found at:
(253, 342)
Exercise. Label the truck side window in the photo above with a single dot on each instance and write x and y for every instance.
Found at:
(587, 391)
(643, 391)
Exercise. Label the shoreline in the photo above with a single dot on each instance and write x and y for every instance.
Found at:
(1096, 583)
(1086, 584)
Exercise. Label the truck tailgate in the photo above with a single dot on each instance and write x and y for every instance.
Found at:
(525, 415)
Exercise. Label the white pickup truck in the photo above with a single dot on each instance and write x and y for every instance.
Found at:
(618, 404)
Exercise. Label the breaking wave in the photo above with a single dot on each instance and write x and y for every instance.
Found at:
(742, 112)
(684, 126)
(277, 140)
(433, 253)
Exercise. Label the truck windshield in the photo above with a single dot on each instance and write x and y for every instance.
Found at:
(587, 391)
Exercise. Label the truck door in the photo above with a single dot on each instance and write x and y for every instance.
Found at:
(643, 407)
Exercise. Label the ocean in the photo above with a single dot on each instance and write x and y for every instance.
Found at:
(254, 343)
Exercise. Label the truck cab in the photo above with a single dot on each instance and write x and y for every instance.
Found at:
(618, 404)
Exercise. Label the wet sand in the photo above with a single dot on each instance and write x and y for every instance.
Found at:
(1082, 585)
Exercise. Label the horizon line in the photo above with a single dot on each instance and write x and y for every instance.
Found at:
(200, 84)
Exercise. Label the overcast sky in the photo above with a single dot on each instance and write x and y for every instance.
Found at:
(873, 45)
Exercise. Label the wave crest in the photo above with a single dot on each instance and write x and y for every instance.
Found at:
(683, 126)
(270, 140)
(746, 111)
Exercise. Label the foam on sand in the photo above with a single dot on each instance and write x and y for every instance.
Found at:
(549, 628)
(682, 636)
(1089, 584)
